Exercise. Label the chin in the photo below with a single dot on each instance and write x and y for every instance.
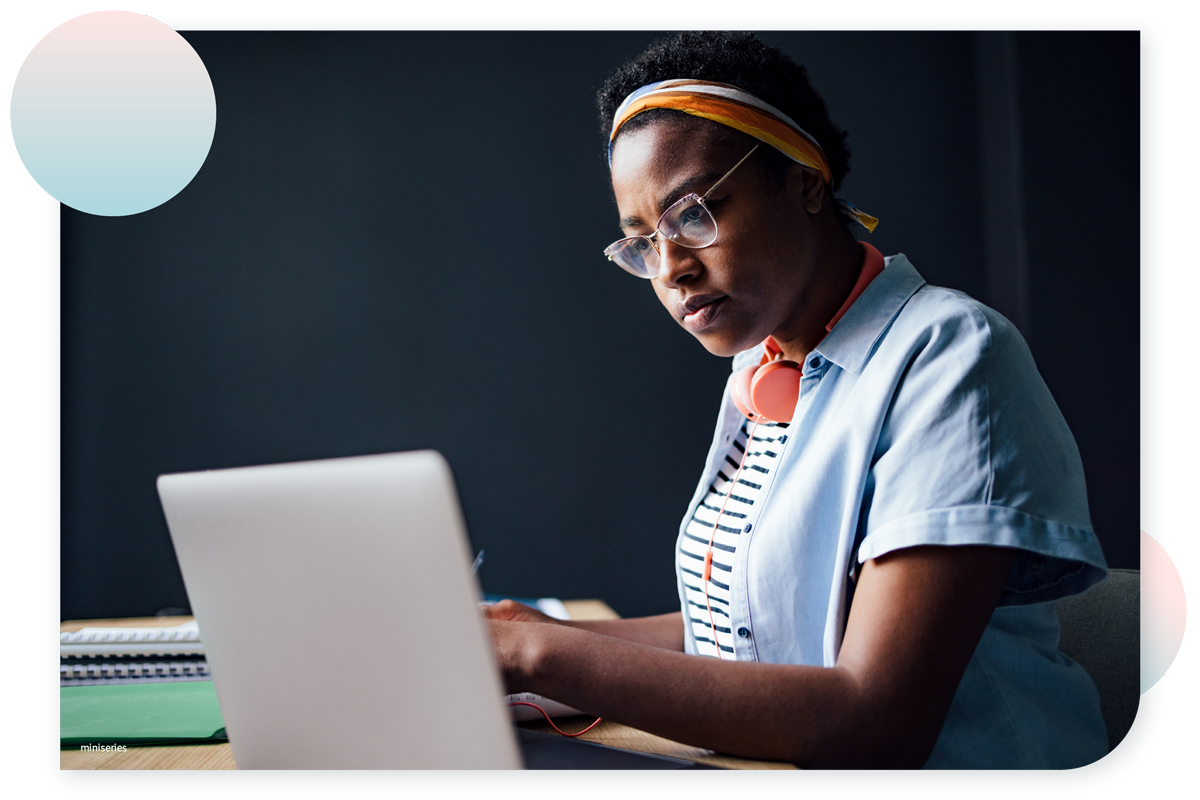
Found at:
(723, 346)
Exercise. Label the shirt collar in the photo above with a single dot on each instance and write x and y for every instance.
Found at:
(855, 334)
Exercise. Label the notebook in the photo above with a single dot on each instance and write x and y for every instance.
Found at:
(168, 712)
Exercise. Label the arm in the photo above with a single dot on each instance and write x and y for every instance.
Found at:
(917, 617)
(664, 631)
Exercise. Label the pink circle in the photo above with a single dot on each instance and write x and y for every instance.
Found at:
(1163, 613)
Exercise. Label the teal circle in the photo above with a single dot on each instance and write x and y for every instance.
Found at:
(113, 113)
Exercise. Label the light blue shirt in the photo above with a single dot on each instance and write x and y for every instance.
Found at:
(923, 420)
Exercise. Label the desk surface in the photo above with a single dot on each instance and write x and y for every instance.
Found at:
(220, 756)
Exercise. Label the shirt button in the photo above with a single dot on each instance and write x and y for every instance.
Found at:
(816, 362)
(744, 633)
(748, 527)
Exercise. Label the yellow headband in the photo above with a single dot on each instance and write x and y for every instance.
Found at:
(734, 108)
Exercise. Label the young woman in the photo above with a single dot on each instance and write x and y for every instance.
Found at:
(892, 500)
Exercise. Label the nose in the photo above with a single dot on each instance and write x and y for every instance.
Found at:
(676, 264)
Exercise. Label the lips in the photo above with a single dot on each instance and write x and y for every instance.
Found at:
(700, 311)
(695, 303)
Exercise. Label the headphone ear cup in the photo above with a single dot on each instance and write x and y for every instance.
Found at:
(774, 390)
(740, 392)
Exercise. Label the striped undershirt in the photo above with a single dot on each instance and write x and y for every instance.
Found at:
(764, 453)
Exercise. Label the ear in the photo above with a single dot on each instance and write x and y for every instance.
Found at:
(814, 190)
(811, 186)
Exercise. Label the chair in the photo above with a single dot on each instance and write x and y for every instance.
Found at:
(1101, 629)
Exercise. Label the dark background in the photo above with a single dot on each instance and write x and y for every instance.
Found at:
(395, 244)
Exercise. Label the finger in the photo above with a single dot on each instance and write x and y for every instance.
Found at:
(510, 609)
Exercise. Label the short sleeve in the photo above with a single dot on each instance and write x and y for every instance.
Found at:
(974, 451)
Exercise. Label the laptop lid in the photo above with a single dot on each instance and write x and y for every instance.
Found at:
(339, 614)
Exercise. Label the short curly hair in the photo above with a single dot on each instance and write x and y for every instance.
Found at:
(742, 60)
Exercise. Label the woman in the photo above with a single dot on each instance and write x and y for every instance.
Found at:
(868, 568)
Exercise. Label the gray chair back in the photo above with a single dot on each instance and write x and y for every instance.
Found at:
(1101, 629)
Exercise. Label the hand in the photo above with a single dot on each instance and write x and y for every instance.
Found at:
(516, 612)
(508, 644)
(517, 644)
(519, 648)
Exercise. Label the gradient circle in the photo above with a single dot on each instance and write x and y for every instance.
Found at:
(113, 113)
(1164, 611)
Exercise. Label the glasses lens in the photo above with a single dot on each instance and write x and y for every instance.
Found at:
(636, 255)
(689, 223)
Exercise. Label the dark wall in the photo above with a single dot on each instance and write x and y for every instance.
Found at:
(395, 243)
(1080, 120)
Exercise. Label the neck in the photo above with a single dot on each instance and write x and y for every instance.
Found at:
(840, 260)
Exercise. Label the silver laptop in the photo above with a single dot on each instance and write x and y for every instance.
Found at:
(340, 624)
(339, 614)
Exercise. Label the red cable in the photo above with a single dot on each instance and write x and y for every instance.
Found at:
(709, 555)
(552, 725)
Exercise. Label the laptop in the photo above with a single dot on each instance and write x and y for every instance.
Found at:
(340, 620)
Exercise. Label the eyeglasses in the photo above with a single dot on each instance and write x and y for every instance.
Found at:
(688, 222)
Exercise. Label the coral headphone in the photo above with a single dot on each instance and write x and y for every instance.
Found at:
(769, 389)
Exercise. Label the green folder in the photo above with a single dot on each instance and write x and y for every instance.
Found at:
(174, 712)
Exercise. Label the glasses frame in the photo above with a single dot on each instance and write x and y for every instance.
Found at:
(613, 248)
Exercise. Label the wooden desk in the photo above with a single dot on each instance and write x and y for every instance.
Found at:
(220, 756)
